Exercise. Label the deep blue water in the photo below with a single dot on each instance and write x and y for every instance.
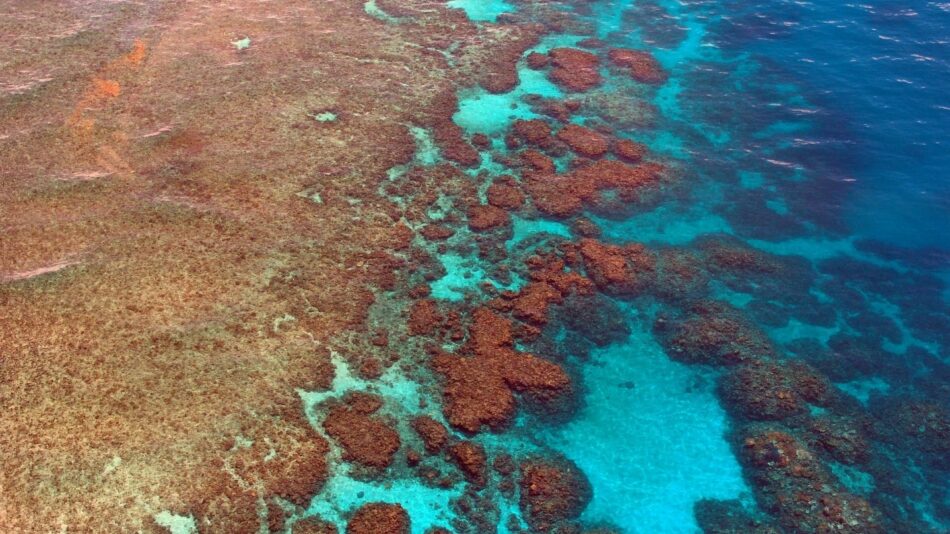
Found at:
(878, 72)
(813, 131)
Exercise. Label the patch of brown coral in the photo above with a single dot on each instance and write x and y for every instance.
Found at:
(480, 389)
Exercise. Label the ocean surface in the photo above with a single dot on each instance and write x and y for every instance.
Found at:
(810, 143)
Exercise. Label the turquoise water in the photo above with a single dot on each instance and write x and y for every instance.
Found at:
(650, 439)
(482, 10)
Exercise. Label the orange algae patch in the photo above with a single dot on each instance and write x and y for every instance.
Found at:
(137, 55)
(106, 88)
(92, 142)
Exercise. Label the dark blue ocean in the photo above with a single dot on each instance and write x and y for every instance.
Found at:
(876, 75)
(813, 133)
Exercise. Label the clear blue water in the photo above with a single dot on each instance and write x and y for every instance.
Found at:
(482, 10)
(815, 131)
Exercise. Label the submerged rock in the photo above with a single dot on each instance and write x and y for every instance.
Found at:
(574, 70)
(434, 435)
(553, 491)
(639, 65)
(379, 518)
(797, 489)
(479, 389)
(583, 141)
(471, 459)
(365, 440)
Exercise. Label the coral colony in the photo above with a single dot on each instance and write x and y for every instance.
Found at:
(408, 266)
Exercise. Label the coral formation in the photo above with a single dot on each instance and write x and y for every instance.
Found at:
(793, 485)
(471, 459)
(379, 518)
(553, 491)
(639, 65)
(505, 193)
(564, 195)
(482, 218)
(365, 439)
(434, 435)
(313, 525)
(575, 70)
(534, 131)
(712, 334)
(615, 269)
(628, 151)
(583, 141)
(479, 388)
(730, 517)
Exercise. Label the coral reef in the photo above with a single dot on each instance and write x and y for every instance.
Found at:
(379, 518)
(553, 491)
(583, 141)
(434, 435)
(365, 439)
(479, 388)
(639, 65)
(573, 69)
(795, 487)
(190, 268)
(187, 264)
(471, 459)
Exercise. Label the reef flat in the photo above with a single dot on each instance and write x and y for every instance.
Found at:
(409, 266)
